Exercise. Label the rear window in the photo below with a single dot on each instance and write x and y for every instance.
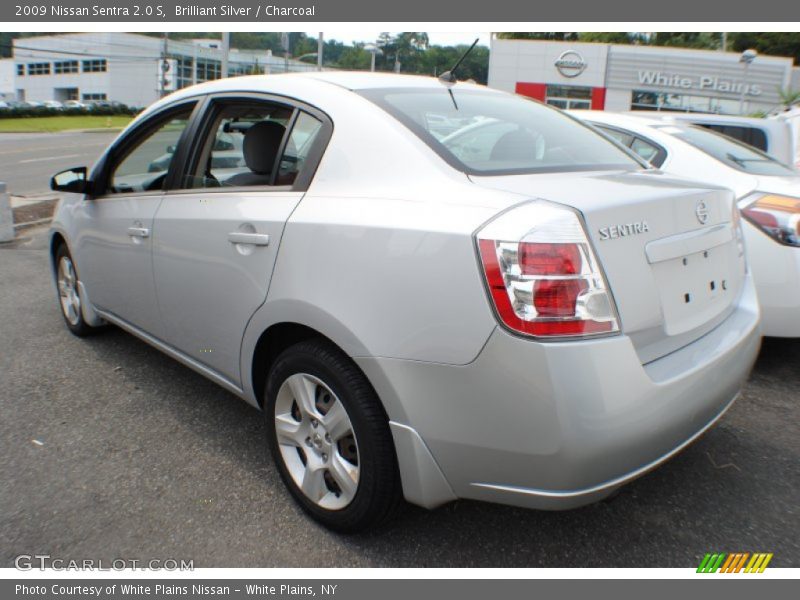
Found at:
(734, 154)
(487, 133)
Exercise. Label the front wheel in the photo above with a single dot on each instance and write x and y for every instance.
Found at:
(330, 437)
(68, 295)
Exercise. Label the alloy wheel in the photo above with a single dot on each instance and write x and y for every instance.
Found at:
(316, 441)
(68, 290)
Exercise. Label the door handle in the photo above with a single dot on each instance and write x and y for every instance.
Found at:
(254, 239)
(141, 232)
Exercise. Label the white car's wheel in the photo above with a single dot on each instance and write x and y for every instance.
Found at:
(330, 437)
(69, 298)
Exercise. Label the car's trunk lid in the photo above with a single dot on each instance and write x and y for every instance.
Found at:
(667, 246)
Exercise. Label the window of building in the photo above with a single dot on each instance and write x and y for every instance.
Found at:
(20, 70)
(97, 65)
(65, 66)
(184, 69)
(95, 96)
(39, 68)
(668, 102)
(208, 69)
(568, 96)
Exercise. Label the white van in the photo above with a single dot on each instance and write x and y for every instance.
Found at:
(777, 135)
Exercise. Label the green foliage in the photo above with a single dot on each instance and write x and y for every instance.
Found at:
(776, 43)
(547, 36)
(789, 97)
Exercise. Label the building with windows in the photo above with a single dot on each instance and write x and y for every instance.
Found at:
(625, 77)
(125, 67)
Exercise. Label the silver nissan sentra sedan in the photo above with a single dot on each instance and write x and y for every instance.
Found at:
(521, 312)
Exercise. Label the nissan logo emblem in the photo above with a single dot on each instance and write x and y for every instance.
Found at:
(701, 211)
(570, 64)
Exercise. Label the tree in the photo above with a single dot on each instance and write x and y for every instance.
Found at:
(776, 43)
(551, 36)
(682, 39)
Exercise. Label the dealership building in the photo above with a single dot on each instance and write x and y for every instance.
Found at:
(629, 77)
(125, 67)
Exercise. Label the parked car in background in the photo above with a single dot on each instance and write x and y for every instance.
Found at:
(532, 318)
(32, 104)
(778, 135)
(75, 105)
(54, 104)
(767, 191)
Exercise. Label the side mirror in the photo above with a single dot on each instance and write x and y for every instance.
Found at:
(73, 181)
(170, 149)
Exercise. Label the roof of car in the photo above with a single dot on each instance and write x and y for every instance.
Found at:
(351, 80)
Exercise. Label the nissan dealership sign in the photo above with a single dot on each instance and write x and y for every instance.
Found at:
(570, 64)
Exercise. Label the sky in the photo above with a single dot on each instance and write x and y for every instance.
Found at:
(436, 39)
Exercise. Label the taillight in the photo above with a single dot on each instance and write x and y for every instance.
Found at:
(543, 276)
(777, 216)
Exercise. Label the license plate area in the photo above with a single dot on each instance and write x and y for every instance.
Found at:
(696, 287)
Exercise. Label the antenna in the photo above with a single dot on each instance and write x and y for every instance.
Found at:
(448, 78)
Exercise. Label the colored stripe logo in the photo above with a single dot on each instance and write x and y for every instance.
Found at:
(737, 562)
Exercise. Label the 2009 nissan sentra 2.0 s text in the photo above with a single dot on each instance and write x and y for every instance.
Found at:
(410, 279)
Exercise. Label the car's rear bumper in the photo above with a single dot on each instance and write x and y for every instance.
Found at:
(558, 425)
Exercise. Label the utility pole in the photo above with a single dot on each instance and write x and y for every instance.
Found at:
(286, 44)
(163, 67)
(724, 47)
(320, 49)
(226, 50)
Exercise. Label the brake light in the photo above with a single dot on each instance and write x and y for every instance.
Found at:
(777, 216)
(542, 274)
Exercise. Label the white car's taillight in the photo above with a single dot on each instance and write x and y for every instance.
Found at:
(777, 216)
(542, 274)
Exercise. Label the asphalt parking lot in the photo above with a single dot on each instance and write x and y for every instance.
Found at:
(111, 450)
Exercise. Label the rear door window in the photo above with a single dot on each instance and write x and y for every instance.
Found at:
(241, 146)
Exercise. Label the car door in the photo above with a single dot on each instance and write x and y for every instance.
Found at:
(218, 234)
(116, 223)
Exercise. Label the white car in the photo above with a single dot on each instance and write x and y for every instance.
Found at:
(522, 318)
(767, 191)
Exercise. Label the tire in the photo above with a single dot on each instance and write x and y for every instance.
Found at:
(315, 382)
(67, 293)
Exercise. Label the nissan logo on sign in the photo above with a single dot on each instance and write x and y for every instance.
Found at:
(570, 64)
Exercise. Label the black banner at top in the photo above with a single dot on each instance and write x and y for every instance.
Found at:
(454, 11)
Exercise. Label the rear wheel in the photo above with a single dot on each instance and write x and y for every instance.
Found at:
(330, 437)
(68, 296)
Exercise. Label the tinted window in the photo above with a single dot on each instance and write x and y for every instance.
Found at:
(749, 135)
(646, 150)
(304, 133)
(242, 146)
(144, 165)
(623, 138)
(734, 154)
(490, 133)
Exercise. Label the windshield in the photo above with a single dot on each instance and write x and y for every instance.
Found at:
(487, 133)
(734, 154)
